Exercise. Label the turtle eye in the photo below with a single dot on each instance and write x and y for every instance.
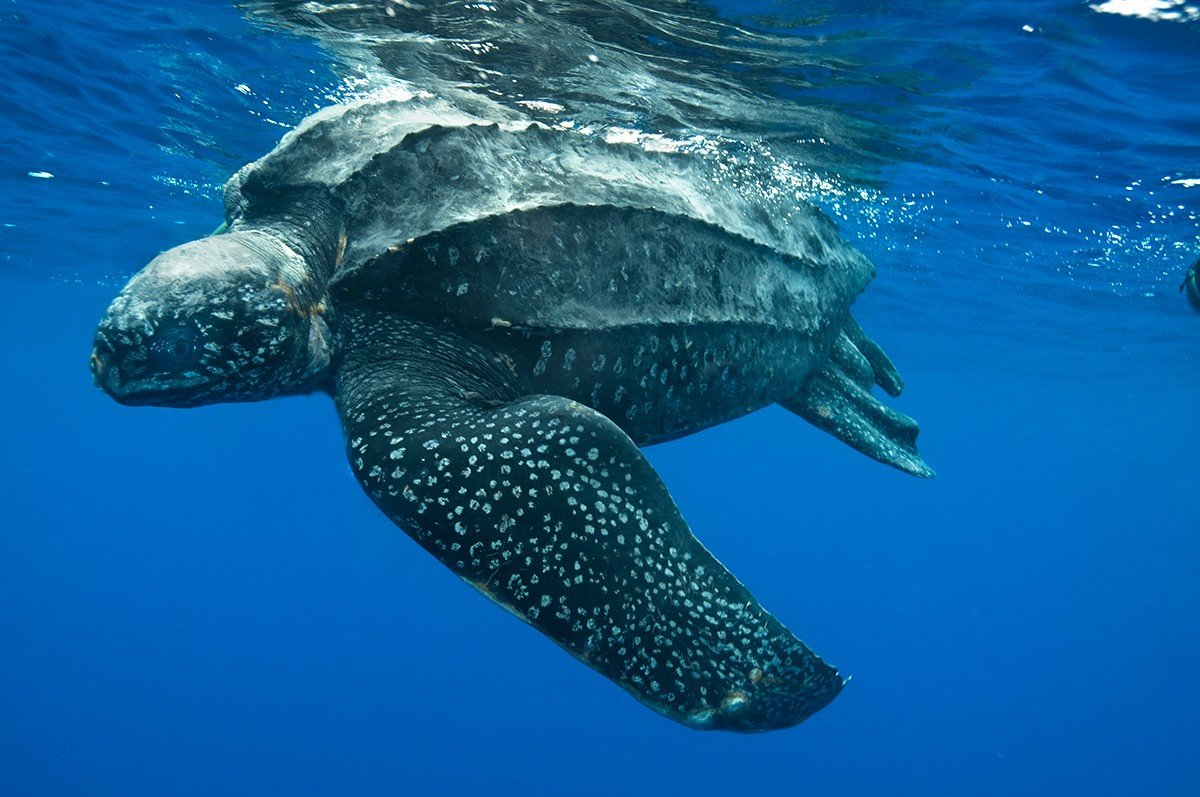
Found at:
(174, 348)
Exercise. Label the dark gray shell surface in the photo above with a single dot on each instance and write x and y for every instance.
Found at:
(402, 169)
(664, 324)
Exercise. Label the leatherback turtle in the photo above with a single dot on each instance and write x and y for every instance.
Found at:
(503, 312)
(1191, 284)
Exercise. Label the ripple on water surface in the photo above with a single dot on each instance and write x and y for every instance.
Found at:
(1036, 161)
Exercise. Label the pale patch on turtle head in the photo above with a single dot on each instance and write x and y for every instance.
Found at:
(226, 318)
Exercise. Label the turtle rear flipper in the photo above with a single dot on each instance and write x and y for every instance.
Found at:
(837, 399)
(854, 341)
(547, 508)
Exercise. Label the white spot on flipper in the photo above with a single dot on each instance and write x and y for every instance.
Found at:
(734, 701)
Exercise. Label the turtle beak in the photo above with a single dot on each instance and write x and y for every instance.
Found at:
(106, 372)
(104, 376)
(97, 363)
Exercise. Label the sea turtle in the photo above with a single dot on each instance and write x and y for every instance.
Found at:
(1191, 284)
(503, 313)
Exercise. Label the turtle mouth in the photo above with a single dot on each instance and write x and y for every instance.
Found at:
(175, 391)
(143, 392)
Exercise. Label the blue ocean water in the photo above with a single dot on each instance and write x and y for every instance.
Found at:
(203, 601)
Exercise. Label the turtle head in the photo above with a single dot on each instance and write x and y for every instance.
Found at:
(231, 317)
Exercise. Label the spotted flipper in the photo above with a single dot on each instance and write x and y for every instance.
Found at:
(546, 507)
(838, 400)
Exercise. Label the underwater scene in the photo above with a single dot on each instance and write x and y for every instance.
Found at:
(815, 382)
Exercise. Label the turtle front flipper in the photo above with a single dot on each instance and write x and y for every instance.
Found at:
(548, 508)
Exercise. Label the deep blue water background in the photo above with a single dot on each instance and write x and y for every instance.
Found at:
(203, 601)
